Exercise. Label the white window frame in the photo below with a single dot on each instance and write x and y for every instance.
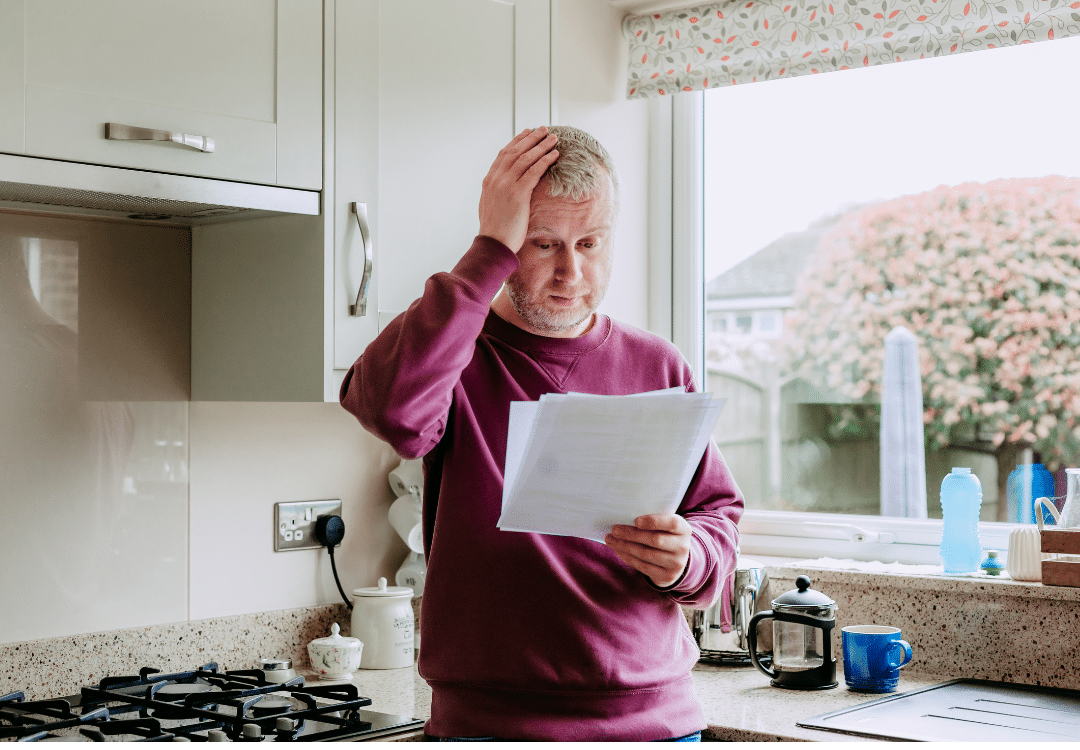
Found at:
(677, 311)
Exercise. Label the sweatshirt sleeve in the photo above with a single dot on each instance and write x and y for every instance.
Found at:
(712, 505)
(402, 386)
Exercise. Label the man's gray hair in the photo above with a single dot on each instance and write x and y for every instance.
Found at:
(574, 174)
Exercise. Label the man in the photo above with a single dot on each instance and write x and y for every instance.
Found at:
(529, 636)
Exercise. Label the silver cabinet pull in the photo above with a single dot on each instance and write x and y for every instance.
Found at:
(114, 131)
(359, 210)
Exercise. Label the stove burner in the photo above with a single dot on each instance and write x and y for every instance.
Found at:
(179, 691)
(270, 706)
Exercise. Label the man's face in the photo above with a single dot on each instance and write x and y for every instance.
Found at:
(565, 263)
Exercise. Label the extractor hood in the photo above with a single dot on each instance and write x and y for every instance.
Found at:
(58, 187)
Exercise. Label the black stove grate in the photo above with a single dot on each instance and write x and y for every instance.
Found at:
(203, 704)
(730, 659)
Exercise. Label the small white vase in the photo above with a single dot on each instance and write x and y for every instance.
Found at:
(1025, 547)
(1025, 555)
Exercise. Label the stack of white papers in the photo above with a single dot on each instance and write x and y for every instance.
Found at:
(577, 464)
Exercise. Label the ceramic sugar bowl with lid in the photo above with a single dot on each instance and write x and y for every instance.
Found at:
(335, 657)
(382, 617)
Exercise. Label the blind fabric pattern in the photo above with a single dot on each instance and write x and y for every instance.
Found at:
(728, 43)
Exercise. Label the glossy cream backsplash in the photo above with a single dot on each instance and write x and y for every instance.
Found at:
(94, 436)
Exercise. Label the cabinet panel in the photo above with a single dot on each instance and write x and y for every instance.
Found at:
(355, 169)
(247, 73)
(429, 184)
(472, 74)
(11, 76)
(257, 292)
(300, 94)
(201, 55)
(70, 125)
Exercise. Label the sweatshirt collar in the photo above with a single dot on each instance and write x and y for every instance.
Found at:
(531, 342)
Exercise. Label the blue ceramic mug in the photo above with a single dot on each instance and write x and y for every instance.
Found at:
(873, 656)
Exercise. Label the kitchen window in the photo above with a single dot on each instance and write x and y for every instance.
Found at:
(937, 194)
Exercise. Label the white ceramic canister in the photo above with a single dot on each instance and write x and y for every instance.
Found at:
(382, 618)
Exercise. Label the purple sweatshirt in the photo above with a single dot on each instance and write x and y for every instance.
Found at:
(530, 636)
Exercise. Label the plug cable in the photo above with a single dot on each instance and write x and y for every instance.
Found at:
(329, 531)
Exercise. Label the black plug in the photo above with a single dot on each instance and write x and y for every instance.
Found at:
(329, 531)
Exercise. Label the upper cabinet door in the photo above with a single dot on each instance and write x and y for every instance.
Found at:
(246, 73)
(429, 90)
(11, 76)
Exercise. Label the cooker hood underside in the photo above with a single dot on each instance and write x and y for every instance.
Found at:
(55, 187)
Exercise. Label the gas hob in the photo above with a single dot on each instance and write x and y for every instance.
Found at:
(205, 704)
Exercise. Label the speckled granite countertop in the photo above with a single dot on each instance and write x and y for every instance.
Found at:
(968, 627)
(741, 706)
(392, 691)
(739, 703)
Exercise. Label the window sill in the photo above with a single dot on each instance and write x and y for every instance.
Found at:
(813, 535)
(786, 568)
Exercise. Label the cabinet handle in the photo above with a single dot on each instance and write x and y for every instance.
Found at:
(359, 210)
(114, 131)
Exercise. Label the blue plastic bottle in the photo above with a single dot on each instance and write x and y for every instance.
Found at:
(1026, 483)
(961, 499)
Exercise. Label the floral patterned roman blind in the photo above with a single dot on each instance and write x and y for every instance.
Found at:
(741, 41)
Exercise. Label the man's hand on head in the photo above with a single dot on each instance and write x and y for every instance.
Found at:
(657, 545)
(509, 184)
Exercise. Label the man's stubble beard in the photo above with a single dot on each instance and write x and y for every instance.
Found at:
(531, 309)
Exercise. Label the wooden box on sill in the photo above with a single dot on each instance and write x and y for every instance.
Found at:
(1064, 571)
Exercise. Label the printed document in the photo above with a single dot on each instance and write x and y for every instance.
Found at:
(577, 464)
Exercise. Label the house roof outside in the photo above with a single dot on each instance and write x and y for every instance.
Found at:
(773, 270)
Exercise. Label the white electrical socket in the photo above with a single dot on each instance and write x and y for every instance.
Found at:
(294, 523)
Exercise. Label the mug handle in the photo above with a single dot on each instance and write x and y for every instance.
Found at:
(1048, 504)
(905, 654)
(751, 639)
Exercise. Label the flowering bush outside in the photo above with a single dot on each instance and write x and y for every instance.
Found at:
(987, 276)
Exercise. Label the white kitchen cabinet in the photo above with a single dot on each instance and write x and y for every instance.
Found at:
(11, 76)
(434, 89)
(246, 73)
(419, 97)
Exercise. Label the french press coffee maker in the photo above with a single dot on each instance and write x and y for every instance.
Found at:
(803, 621)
